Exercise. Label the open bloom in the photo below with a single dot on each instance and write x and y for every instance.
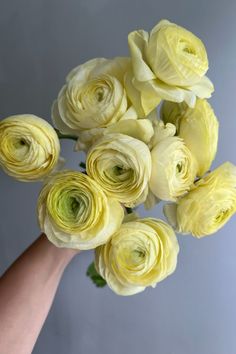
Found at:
(122, 167)
(198, 127)
(29, 147)
(74, 212)
(169, 63)
(208, 206)
(93, 96)
(140, 254)
(173, 166)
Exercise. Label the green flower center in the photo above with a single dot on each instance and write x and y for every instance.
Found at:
(19, 143)
(137, 255)
(186, 47)
(74, 205)
(118, 170)
(179, 167)
(99, 94)
(71, 207)
(118, 174)
(19, 148)
(132, 258)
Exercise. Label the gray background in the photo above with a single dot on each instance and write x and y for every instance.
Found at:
(193, 311)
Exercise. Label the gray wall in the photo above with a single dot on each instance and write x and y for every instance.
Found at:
(191, 312)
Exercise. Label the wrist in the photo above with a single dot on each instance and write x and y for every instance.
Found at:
(61, 255)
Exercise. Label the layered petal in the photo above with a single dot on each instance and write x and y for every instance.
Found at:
(208, 206)
(173, 169)
(29, 147)
(140, 254)
(198, 127)
(141, 129)
(93, 96)
(169, 63)
(74, 212)
(122, 166)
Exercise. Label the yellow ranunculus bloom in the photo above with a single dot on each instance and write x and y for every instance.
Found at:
(29, 147)
(198, 127)
(140, 254)
(176, 55)
(169, 63)
(93, 96)
(122, 167)
(173, 166)
(74, 212)
(140, 129)
(208, 206)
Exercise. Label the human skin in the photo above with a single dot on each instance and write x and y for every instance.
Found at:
(27, 290)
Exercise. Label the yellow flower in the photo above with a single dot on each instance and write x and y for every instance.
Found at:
(169, 63)
(208, 206)
(29, 147)
(93, 96)
(140, 129)
(173, 166)
(74, 212)
(122, 167)
(198, 127)
(140, 254)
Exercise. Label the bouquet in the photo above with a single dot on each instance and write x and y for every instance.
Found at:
(149, 135)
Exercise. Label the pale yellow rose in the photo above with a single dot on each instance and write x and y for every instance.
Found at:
(74, 212)
(208, 206)
(173, 166)
(93, 96)
(169, 63)
(198, 127)
(29, 147)
(140, 254)
(122, 167)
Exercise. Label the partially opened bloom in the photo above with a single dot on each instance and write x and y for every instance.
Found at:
(198, 127)
(122, 167)
(29, 147)
(208, 206)
(173, 166)
(74, 212)
(93, 96)
(169, 63)
(140, 254)
(140, 129)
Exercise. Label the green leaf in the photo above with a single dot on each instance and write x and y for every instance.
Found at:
(95, 277)
(65, 136)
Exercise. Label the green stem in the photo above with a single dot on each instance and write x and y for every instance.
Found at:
(82, 165)
(129, 210)
(65, 136)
